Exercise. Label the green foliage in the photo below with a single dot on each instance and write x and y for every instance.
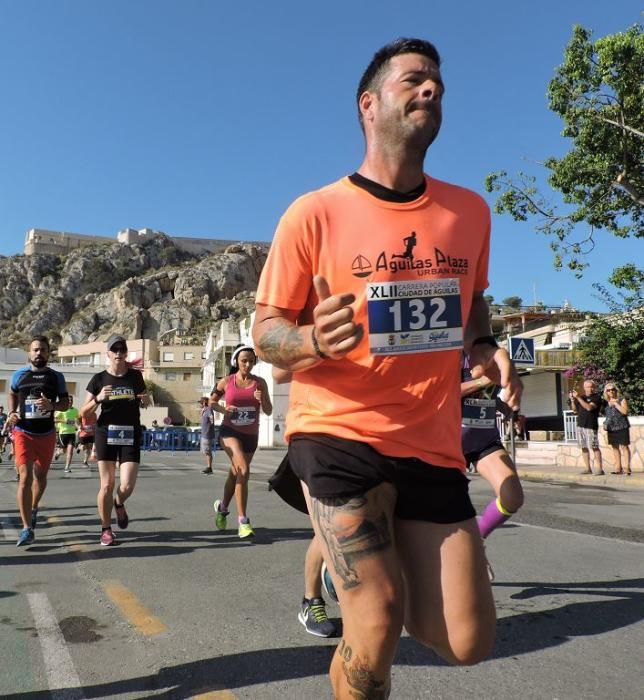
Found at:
(629, 281)
(513, 302)
(615, 345)
(598, 92)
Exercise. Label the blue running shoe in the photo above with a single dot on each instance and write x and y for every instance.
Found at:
(327, 583)
(34, 518)
(26, 537)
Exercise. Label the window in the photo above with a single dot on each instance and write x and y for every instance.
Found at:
(187, 376)
(188, 356)
(168, 357)
(170, 376)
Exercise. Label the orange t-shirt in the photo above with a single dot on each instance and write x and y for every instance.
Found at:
(413, 268)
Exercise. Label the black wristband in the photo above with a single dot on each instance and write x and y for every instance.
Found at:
(316, 347)
(485, 340)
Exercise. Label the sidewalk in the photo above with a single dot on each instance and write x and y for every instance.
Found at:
(573, 474)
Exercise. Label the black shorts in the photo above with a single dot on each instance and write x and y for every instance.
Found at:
(86, 440)
(248, 442)
(476, 455)
(67, 439)
(336, 468)
(117, 453)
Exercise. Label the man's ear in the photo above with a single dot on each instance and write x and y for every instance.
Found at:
(365, 104)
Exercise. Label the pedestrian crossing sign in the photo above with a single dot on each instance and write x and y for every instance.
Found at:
(522, 351)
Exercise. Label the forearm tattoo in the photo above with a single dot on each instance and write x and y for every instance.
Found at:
(360, 677)
(350, 533)
(281, 343)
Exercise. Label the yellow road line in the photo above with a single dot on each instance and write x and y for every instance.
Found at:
(216, 695)
(133, 609)
(54, 520)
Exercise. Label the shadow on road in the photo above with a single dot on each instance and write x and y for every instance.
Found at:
(518, 634)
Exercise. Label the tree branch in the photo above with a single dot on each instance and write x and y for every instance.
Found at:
(630, 190)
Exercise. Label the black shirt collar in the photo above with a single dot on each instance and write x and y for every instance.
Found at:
(382, 192)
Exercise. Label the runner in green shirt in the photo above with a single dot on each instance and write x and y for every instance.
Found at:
(67, 423)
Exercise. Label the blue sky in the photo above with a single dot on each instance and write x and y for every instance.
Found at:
(204, 118)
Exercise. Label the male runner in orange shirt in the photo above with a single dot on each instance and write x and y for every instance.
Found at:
(373, 329)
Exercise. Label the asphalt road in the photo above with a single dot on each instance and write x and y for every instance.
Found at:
(178, 610)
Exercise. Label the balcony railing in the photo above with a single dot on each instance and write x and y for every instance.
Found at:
(557, 359)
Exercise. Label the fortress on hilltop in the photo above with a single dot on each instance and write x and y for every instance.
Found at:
(39, 240)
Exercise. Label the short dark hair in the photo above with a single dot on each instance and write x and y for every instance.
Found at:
(372, 77)
(40, 339)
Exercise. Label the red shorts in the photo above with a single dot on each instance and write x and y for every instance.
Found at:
(30, 448)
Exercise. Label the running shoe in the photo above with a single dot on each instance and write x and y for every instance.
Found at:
(34, 518)
(314, 618)
(206, 471)
(245, 530)
(107, 537)
(327, 583)
(67, 470)
(26, 537)
(221, 517)
(122, 519)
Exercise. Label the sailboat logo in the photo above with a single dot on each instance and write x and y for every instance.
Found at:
(361, 267)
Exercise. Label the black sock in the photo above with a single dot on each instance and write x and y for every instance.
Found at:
(109, 527)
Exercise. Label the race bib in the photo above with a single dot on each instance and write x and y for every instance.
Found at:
(89, 429)
(479, 413)
(120, 435)
(244, 416)
(414, 316)
(33, 411)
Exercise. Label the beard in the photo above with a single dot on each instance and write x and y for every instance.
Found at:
(39, 362)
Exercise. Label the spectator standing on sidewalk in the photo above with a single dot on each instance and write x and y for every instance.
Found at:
(587, 409)
(617, 427)
(207, 433)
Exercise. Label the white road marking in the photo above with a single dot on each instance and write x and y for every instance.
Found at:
(62, 678)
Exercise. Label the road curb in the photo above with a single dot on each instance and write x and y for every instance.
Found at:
(636, 481)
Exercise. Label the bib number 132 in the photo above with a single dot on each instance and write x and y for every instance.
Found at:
(413, 316)
(418, 314)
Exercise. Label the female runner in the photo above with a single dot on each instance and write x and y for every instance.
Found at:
(244, 395)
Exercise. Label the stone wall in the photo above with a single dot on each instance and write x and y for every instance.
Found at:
(569, 454)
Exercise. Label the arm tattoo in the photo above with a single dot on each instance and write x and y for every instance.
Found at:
(281, 343)
(364, 686)
(351, 533)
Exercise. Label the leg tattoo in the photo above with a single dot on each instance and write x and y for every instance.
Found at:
(350, 533)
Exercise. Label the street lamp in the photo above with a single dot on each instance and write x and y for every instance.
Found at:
(172, 330)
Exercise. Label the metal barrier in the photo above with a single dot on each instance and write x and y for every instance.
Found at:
(174, 440)
(570, 426)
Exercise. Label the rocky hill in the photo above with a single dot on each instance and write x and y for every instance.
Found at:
(138, 290)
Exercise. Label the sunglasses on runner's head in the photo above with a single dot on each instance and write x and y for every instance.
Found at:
(611, 388)
(118, 348)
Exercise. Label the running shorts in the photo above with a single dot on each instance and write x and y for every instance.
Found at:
(117, 453)
(337, 468)
(29, 448)
(248, 442)
(86, 440)
(475, 456)
(67, 439)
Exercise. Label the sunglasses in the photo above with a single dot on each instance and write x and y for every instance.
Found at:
(611, 389)
(118, 348)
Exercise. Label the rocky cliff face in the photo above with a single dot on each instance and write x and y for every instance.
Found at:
(138, 290)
